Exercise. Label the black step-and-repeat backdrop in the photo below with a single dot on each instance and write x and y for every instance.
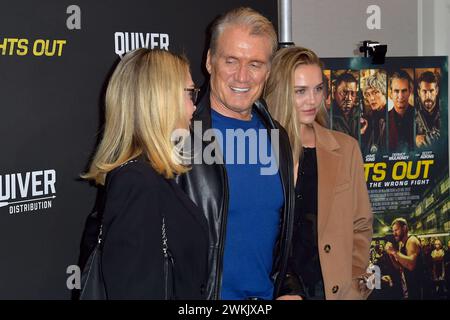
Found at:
(55, 58)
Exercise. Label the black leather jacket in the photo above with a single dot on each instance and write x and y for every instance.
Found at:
(207, 186)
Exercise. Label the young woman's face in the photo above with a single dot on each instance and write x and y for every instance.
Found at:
(308, 92)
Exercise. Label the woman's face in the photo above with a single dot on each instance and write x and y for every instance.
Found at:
(437, 244)
(189, 96)
(375, 98)
(308, 92)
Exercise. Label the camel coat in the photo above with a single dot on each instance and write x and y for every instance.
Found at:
(344, 214)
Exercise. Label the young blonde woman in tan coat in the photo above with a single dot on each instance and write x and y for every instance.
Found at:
(333, 217)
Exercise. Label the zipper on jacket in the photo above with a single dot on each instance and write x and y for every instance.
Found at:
(219, 266)
(284, 245)
(169, 276)
(166, 276)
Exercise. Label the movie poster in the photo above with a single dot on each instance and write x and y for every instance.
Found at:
(398, 112)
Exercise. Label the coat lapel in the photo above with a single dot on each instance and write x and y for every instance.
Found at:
(328, 162)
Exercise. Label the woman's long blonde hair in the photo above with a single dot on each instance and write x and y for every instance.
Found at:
(144, 104)
(279, 93)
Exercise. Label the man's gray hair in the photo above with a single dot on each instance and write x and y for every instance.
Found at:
(245, 17)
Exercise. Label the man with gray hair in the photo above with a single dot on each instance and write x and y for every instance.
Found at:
(250, 215)
(401, 117)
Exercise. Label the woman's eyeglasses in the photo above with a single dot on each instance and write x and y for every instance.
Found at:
(193, 93)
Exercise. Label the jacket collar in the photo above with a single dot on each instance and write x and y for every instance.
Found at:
(203, 111)
(325, 138)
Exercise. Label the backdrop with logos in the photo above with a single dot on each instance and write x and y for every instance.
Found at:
(55, 59)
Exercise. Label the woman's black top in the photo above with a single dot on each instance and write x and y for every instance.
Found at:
(305, 259)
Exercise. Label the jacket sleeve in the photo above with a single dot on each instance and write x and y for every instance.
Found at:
(132, 260)
(362, 225)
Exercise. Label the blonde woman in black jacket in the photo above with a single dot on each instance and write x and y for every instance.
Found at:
(149, 95)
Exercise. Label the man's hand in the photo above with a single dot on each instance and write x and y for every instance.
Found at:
(388, 280)
(420, 140)
(390, 249)
(289, 297)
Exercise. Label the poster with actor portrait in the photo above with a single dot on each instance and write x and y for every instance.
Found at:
(398, 112)
(345, 111)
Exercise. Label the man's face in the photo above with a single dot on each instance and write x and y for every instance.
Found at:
(238, 69)
(400, 92)
(428, 93)
(375, 98)
(346, 96)
(398, 232)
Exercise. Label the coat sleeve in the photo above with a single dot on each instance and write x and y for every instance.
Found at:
(132, 260)
(362, 224)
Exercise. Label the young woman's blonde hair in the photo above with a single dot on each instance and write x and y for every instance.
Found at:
(280, 94)
(144, 104)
